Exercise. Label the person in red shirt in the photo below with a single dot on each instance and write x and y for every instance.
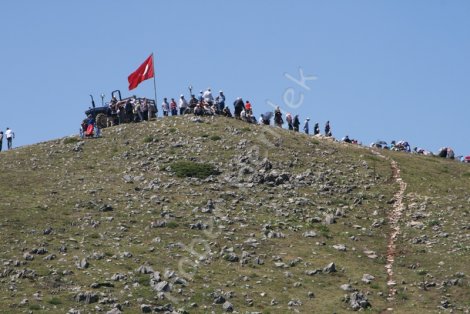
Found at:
(248, 108)
(173, 107)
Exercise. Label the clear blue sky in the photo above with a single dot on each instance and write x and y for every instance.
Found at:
(384, 69)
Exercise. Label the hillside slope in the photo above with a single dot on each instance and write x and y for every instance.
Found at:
(270, 221)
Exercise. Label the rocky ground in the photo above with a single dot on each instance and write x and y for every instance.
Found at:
(268, 222)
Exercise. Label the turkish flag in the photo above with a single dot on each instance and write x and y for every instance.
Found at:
(144, 72)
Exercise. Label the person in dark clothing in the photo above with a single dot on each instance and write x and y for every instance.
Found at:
(278, 121)
(239, 106)
(192, 103)
(221, 101)
(1, 140)
(128, 109)
(226, 112)
(296, 123)
(316, 129)
(327, 129)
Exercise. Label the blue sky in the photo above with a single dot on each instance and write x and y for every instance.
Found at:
(388, 70)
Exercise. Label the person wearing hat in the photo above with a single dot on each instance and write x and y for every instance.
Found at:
(306, 125)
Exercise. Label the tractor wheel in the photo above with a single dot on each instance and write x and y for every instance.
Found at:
(101, 120)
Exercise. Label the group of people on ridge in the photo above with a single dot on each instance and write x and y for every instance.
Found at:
(206, 104)
(130, 110)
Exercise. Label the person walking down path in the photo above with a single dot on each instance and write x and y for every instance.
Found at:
(10, 135)
(1, 140)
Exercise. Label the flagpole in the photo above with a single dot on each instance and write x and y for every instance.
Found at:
(155, 87)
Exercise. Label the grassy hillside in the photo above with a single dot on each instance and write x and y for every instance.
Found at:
(213, 215)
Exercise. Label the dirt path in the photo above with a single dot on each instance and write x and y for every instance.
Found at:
(393, 218)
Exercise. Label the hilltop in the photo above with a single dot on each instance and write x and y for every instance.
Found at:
(201, 215)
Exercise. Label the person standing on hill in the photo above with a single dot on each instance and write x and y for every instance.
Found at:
(289, 121)
(207, 97)
(165, 107)
(306, 125)
(221, 101)
(248, 107)
(10, 135)
(327, 129)
(278, 121)
(316, 129)
(238, 106)
(1, 140)
(173, 107)
(296, 123)
(183, 104)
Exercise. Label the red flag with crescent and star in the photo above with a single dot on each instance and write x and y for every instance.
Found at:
(144, 72)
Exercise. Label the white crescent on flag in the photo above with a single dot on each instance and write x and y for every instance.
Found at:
(146, 70)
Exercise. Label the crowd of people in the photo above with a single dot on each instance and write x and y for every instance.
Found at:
(404, 146)
(205, 104)
(130, 110)
(9, 135)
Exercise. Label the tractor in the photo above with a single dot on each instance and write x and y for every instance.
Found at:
(103, 114)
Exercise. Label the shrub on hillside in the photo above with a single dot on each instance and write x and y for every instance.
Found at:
(71, 140)
(192, 169)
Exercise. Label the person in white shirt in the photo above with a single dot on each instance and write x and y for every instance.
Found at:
(183, 104)
(10, 135)
(165, 107)
(207, 96)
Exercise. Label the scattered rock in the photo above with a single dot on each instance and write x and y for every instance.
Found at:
(145, 308)
(310, 234)
(340, 247)
(105, 208)
(330, 268)
(367, 278)
(357, 300)
(86, 297)
(82, 264)
(228, 307)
